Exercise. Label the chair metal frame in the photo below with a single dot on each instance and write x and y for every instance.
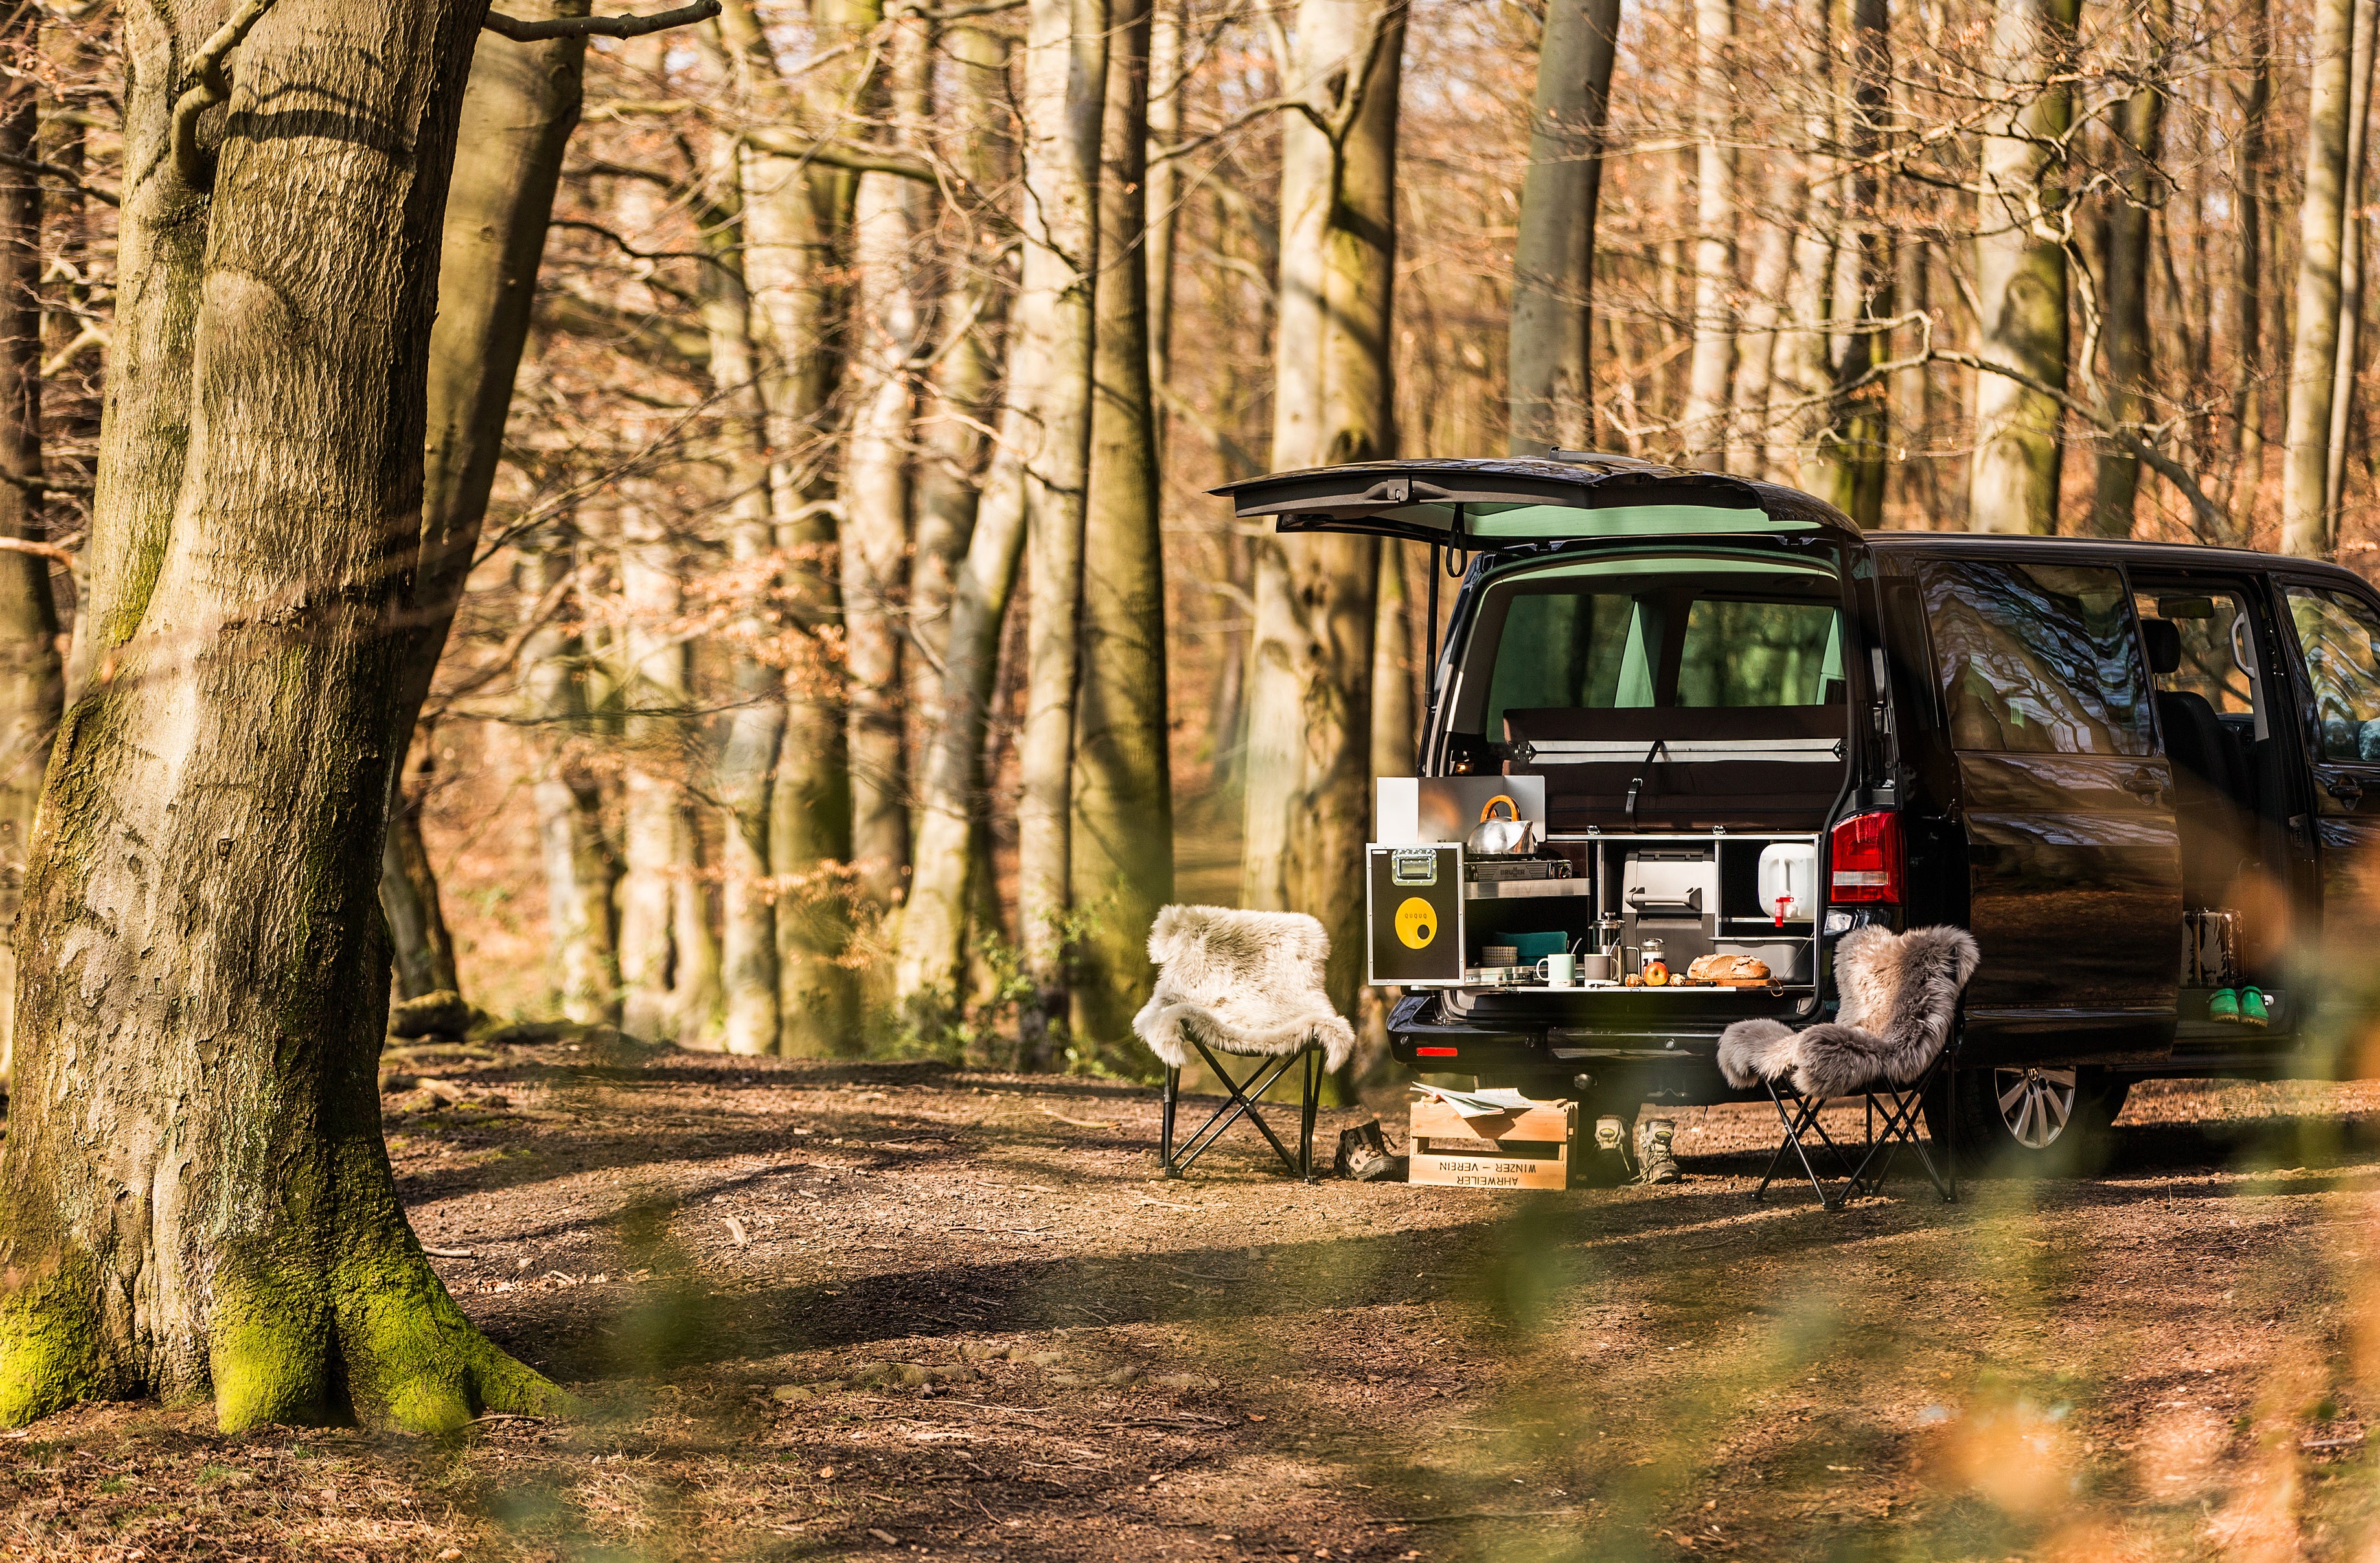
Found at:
(1900, 1108)
(1240, 1101)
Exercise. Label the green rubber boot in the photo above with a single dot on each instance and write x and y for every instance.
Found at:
(2252, 1008)
(2223, 1006)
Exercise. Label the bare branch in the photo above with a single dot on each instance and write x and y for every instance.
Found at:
(840, 155)
(599, 27)
(212, 87)
(65, 176)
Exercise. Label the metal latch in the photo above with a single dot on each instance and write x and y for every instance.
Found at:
(1412, 866)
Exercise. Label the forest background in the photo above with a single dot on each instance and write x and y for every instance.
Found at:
(853, 660)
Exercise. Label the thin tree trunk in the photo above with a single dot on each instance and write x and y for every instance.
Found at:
(2314, 353)
(31, 679)
(756, 724)
(1121, 866)
(1756, 347)
(954, 858)
(1050, 355)
(2351, 263)
(213, 1212)
(2124, 267)
(1310, 667)
(582, 870)
(1704, 434)
(797, 221)
(1553, 265)
(1802, 380)
(2021, 276)
(423, 950)
(2247, 295)
(1164, 199)
(1858, 425)
(876, 532)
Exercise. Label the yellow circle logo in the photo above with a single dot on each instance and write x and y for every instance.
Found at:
(1416, 923)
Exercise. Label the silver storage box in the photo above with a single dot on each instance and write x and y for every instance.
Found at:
(1789, 959)
(1672, 884)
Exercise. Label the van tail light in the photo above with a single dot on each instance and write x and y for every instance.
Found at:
(1434, 1052)
(1863, 859)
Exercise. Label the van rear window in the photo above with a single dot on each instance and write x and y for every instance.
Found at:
(2037, 659)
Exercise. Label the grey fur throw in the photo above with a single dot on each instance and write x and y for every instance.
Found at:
(1899, 994)
(1244, 982)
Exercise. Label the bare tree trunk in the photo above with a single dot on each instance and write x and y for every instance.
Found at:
(953, 857)
(1121, 864)
(1049, 376)
(1553, 265)
(581, 869)
(1164, 199)
(1803, 379)
(1749, 450)
(2305, 523)
(2351, 263)
(214, 1211)
(423, 950)
(2020, 275)
(756, 725)
(1704, 434)
(876, 531)
(2247, 294)
(1309, 680)
(1858, 424)
(797, 221)
(31, 679)
(2124, 292)
(518, 112)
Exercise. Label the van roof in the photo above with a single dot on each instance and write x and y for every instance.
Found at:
(2180, 556)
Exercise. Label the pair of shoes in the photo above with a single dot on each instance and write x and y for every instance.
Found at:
(1655, 1160)
(2241, 1007)
(1364, 1156)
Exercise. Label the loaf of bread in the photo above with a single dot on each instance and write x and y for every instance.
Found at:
(1728, 968)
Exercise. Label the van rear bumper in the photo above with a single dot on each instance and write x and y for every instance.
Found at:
(1550, 1038)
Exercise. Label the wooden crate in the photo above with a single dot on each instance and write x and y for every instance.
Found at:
(1527, 1149)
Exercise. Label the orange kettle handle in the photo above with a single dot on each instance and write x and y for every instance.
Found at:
(1490, 808)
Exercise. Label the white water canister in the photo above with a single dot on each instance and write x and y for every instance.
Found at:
(1789, 881)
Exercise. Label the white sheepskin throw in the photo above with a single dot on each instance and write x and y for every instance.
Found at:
(1243, 982)
(1899, 992)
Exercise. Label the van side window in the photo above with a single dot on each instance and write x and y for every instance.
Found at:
(2337, 633)
(2037, 659)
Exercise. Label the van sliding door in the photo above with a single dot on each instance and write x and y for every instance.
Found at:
(2074, 876)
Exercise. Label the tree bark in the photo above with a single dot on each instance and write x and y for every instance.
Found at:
(1858, 426)
(876, 534)
(1310, 666)
(1166, 84)
(2305, 523)
(210, 1208)
(2247, 294)
(1703, 433)
(1553, 265)
(581, 869)
(2020, 274)
(1393, 746)
(518, 112)
(797, 221)
(1121, 868)
(2350, 263)
(422, 948)
(1050, 355)
(32, 679)
(755, 722)
(2127, 255)
(1749, 450)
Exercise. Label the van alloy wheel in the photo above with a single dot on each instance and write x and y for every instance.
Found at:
(2036, 1104)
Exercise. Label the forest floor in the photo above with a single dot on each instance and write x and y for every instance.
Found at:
(864, 1310)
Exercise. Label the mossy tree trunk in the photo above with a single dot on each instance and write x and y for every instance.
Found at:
(1122, 862)
(1553, 265)
(2126, 240)
(31, 679)
(195, 1198)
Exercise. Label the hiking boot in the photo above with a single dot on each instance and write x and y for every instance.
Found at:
(1655, 1162)
(1603, 1159)
(1364, 1156)
(2252, 1008)
(2223, 1006)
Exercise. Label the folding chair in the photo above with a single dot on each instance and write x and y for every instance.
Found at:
(1240, 1101)
(1899, 1107)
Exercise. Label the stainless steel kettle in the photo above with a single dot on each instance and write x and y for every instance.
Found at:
(1508, 836)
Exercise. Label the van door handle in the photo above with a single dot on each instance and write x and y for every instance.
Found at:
(2346, 789)
(2144, 785)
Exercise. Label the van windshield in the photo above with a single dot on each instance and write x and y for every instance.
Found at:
(1687, 635)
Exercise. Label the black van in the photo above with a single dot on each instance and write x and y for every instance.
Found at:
(2134, 771)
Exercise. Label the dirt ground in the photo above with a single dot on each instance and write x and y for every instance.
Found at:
(822, 1310)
